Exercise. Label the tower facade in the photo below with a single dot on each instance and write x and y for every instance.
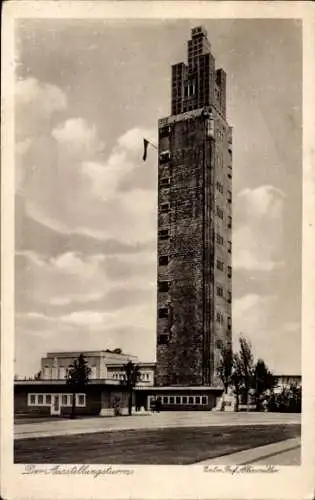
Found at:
(194, 275)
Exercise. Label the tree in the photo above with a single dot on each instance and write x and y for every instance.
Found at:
(246, 366)
(132, 375)
(226, 366)
(237, 378)
(77, 378)
(264, 381)
(288, 400)
(38, 375)
(296, 398)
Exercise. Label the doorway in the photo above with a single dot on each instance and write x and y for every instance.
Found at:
(55, 405)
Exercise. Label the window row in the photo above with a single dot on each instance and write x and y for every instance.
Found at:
(219, 133)
(220, 212)
(189, 90)
(220, 293)
(220, 319)
(219, 344)
(164, 157)
(195, 48)
(164, 207)
(122, 376)
(59, 373)
(163, 260)
(184, 400)
(163, 234)
(219, 187)
(163, 339)
(220, 266)
(164, 131)
(46, 399)
(165, 182)
(220, 239)
(163, 312)
(163, 286)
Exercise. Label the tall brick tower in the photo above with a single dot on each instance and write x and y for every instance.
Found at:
(194, 278)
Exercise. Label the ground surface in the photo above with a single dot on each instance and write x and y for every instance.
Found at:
(286, 457)
(62, 426)
(287, 452)
(169, 445)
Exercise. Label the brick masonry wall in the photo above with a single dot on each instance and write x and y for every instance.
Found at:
(222, 175)
(181, 361)
(192, 351)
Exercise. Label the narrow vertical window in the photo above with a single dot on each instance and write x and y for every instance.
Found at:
(163, 260)
(163, 286)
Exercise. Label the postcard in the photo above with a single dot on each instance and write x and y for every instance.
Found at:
(157, 250)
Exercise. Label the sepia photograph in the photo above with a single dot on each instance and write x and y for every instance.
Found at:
(158, 174)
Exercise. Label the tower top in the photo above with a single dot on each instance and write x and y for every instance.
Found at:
(199, 31)
(198, 83)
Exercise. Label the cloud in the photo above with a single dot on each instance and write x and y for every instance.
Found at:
(92, 203)
(75, 298)
(93, 301)
(101, 195)
(277, 341)
(80, 266)
(36, 104)
(67, 279)
(263, 201)
(72, 279)
(257, 239)
(85, 318)
(133, 138)
(132, 331)
(251, 312)
(49, 98)
(37, 107)
(76, 135)
(104, 178)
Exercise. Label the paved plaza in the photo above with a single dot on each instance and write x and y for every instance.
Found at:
(155, 421)
(287, 452)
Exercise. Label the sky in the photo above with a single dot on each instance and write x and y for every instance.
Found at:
(87, 92)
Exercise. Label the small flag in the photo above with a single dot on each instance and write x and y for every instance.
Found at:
(145, 146)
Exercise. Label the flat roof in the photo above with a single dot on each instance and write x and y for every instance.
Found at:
(140, 364)
(100, 352)
(103, 381)
(179, 388)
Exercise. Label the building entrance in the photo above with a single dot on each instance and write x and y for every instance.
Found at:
(55, 405)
